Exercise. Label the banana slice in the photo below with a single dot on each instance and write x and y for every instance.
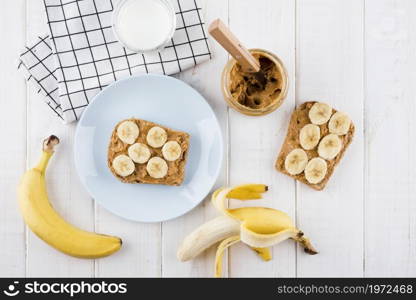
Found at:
(157, 168)
(139, 153)
(316, 170)
(309, 136)
(128, 132)
(330, 146)
(339, 124)
(296, 161)
(320, 113)
(172, 151)
(156, 137)
(123, 165)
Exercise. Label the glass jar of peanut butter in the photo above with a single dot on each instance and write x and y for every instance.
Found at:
(244, 92)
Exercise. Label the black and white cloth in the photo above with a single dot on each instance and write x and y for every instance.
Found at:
(80, 55)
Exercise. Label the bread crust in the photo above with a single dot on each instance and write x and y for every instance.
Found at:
(176, 171)
(299, 119)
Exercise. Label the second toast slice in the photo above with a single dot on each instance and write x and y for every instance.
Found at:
(292, 144)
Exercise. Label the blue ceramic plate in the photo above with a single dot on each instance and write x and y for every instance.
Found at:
(163, 100)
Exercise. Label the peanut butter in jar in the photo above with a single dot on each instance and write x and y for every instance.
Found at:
(245, 93)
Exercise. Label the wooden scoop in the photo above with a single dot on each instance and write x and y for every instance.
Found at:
(231, 44)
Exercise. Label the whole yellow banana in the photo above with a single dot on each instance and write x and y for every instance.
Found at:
(48, 225)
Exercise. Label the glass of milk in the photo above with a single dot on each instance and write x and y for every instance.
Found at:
(144, 25)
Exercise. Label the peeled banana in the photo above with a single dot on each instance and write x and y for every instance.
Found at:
(257, 227)
(45, 222)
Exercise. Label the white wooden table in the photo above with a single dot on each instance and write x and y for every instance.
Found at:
(359, 56)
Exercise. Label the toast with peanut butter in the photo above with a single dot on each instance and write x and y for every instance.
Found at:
(144, 152)
(316, 141)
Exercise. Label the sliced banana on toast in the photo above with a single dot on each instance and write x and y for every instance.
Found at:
(296, 162)
(128, 132)
(172, 151)
(123, 165)
(139, 153)
(330, 146)
(316, 170)
(309, 136)
(157, 168)
(339, 124)
(156, 137)
(320, 113)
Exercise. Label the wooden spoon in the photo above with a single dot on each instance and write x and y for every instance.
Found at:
(232, 45)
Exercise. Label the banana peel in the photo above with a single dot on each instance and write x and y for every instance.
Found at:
(258, 227)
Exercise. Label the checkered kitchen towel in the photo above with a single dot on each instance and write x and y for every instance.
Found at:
(81, 56)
